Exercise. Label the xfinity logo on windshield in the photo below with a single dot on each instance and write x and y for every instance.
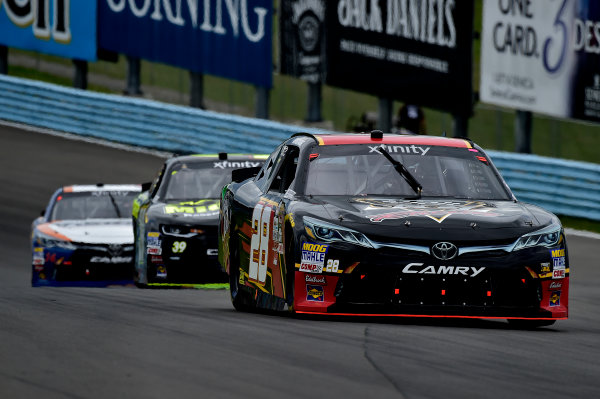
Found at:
(401, 149)
(417, 268)
(227, 164)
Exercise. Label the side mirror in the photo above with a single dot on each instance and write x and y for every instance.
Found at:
(146, 186)
(239, 175)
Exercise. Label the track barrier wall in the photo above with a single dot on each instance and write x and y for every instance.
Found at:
(564, 187)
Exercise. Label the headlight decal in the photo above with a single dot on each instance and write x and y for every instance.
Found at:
(328, 232)
(547, 237)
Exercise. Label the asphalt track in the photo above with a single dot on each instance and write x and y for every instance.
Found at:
(124, 342)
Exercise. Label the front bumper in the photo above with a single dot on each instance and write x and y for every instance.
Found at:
(497, 285)
(185, 259)
(86, 265)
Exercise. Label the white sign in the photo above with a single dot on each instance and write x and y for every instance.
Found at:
(528, 55)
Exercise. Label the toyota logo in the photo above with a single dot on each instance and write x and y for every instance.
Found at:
(444, 250)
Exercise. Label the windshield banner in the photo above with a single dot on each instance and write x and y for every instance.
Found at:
(58, 27)
(542, 56)
(231, 39)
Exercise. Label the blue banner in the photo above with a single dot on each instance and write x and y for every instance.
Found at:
(59, 27)
(227, 38)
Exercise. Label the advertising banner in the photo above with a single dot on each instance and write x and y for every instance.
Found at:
(226, 38)
(302, 39)
(58, 27)
(417, 51)
(542, 56)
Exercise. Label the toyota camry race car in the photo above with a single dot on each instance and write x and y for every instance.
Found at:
(84, 237)
(404, 225)
(175, 219)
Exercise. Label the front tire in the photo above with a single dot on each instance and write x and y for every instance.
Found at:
(530, 324)
(290, 265)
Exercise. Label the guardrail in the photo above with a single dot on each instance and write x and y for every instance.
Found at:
(563, 187)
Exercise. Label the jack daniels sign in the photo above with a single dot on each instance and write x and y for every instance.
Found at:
(417, 51)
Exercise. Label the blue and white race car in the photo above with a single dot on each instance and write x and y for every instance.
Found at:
(84, 237)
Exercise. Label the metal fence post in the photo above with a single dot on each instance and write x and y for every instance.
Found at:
(133, 76)
(3, 60)
(80, 75)
(314, 102)
(384, 122)
(196, 90)
(460, 126)
(262, 102)
(523, 124)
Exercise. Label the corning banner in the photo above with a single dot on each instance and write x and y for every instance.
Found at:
(59, 27)
(227, 38)
(302, 39)
(417, 51)
(542, 56)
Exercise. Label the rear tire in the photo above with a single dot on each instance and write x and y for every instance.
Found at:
(238, 299)
(530, 324)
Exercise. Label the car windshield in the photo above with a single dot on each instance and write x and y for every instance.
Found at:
(364, 170)
(93, 205)
(195, 180)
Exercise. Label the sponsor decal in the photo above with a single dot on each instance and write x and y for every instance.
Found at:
(545, 267)
(190, 210)
(236, 164)
(38, 256)
(113, 260)
(555, 298)
(559, 273)
(153, 239)
(314, 293)
(420, 268)
(212, 252)
(156, 259)
(154, 250)
(313, 257)
(555, 284)
(161, 272)
(315, 279)
(558, 258)
(435, 210)
(400, 149)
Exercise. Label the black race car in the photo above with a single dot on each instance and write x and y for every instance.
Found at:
(84, 237)
(175, 219)
(390, 225)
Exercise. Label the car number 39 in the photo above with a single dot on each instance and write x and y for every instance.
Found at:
(179, 247)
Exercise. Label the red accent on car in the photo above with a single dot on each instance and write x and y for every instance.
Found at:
(336, 139)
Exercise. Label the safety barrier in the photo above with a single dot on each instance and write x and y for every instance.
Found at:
(563, 187)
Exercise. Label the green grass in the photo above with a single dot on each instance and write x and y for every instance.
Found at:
(580, 224)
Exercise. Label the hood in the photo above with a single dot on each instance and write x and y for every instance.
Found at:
(193, 211)
(433, 218)
(90, 231)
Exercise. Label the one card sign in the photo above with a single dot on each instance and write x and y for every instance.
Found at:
(542, 56)
(227, 38)
(58, 27)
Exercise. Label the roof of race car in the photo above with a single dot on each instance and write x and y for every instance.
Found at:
(80, 188)
(406, 139)
(215, 157)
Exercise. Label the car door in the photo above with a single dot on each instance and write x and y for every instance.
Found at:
(266, 269)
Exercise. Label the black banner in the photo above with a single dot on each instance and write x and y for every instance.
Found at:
(301, 39)
(417, 51)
